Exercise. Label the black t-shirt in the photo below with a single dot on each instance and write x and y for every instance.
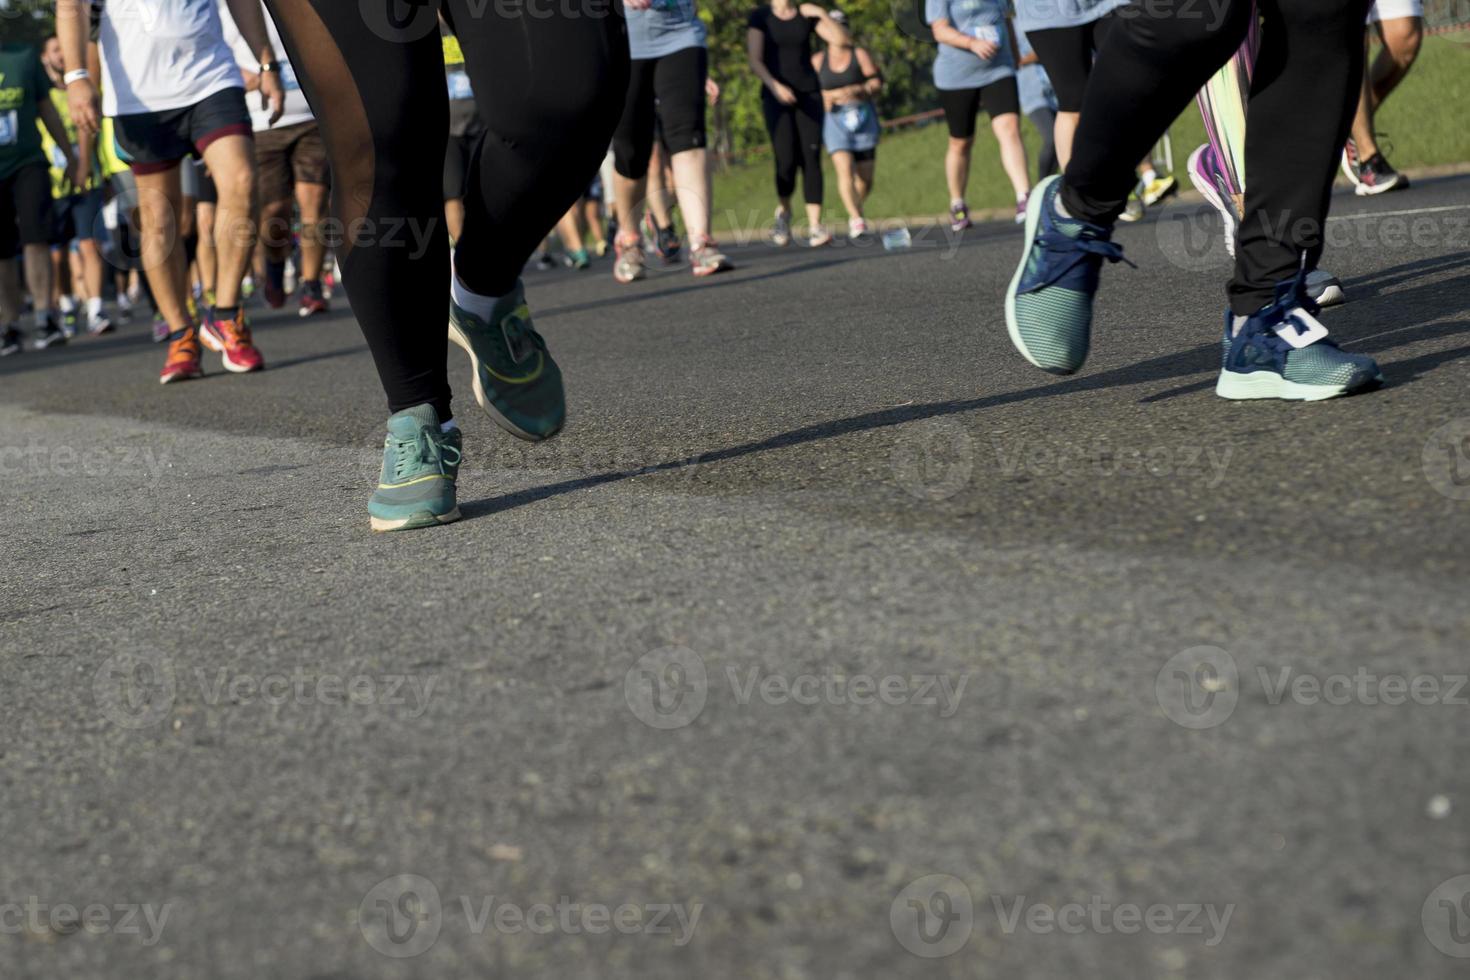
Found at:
(788, 48)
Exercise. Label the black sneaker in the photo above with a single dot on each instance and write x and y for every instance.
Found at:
(11, 342)
(669, 245)
(49, 335)
(1377, 176)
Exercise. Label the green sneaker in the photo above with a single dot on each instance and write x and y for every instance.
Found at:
(420, 466)
(516, 381)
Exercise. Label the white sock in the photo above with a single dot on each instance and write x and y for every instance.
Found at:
(958, 202)
(469, 301)
(449, 426)
(1149, 175)
(43, 317)
(1021, 196)
(94, 307)
(67, 304)
(123, 303)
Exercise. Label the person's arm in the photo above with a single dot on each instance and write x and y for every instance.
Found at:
(827, 28)
(872, 77)
(946, 33)
(755, 53)
(51, 119)
(249, 17)
(72, 28)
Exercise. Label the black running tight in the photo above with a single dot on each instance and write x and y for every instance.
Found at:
(550, 84)
(796, 139)
(1303, 94)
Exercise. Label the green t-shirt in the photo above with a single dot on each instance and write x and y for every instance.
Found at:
(23, 84)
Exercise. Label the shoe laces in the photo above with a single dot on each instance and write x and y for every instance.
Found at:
(426, 448)
(1066, 252)
(235, 330)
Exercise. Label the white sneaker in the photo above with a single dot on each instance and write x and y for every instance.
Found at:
(1325, 288)
(857, 228)
(781, 231)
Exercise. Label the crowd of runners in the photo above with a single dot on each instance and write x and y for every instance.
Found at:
(173, 157)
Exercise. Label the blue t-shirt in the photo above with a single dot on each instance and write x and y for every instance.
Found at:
(1045, 15)
(986, 19)
(665, 27)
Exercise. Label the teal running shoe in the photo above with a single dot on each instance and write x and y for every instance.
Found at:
(1049, 302)
(1282, 351)
(420, 466)
(516, 381)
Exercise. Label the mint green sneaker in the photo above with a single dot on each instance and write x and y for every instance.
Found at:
(516, 381)
(420, 466)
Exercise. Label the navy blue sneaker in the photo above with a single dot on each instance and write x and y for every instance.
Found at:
(1282, 351)
(1049, 302)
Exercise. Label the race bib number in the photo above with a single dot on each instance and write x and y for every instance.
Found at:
(988, 32)
(853, 117)
(9, 128)
(459, 86)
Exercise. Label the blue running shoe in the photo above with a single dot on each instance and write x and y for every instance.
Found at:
(1282, 351)
(516, 381)
(1049, 302)
(420, 467)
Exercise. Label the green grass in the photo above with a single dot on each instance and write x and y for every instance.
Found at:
(1421, 118)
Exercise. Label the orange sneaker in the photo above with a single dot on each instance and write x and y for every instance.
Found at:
(230, 338)
(182, 362)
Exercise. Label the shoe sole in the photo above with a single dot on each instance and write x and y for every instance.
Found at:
(1211, 194)
(414, 522)
(169, 379)
(208, 341)
(1347, 169)
(701, 272)
(240, 369)
(1370, 190)
(1269, 384)
(1033, 218)
(304, 312)
(485, 403)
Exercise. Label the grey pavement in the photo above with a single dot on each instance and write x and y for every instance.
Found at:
(831, 640)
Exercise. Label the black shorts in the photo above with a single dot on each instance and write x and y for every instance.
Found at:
(961, 105)
(153, 142)
(669, 92)
(864, 156)
(25, 209)
(1067, 53)
(76, 217)
(457, 156)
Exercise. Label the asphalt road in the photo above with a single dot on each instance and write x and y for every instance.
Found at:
(831, 640)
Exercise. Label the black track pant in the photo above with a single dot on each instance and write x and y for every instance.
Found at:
(1303, 95)
(796, 139)
(549, 86)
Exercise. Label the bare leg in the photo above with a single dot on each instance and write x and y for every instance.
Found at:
(842, 163)
(692, 185)
(231, 161)
(957, 167)
(1066, 128)
(159, 199)
(312, 200)
(206, 256)
(454, 217)
(1007, 129)
(863, 178)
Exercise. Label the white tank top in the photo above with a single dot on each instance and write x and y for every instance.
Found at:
(162, 54)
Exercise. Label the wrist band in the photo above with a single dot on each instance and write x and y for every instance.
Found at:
(75, 76)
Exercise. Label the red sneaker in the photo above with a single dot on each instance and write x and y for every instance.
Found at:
(312, 300)
(182, 362)
(230, 338)
(275, 297)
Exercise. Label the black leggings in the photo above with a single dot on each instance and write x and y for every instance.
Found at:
(1067, 55)
(667, 90)
(1300, 111)
(796, 138)
(549, 89)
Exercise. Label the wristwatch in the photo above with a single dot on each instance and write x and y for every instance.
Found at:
(266, 66)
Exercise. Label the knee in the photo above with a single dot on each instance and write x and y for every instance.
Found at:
(1006, 126)
(960, 146)
(238, 188)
